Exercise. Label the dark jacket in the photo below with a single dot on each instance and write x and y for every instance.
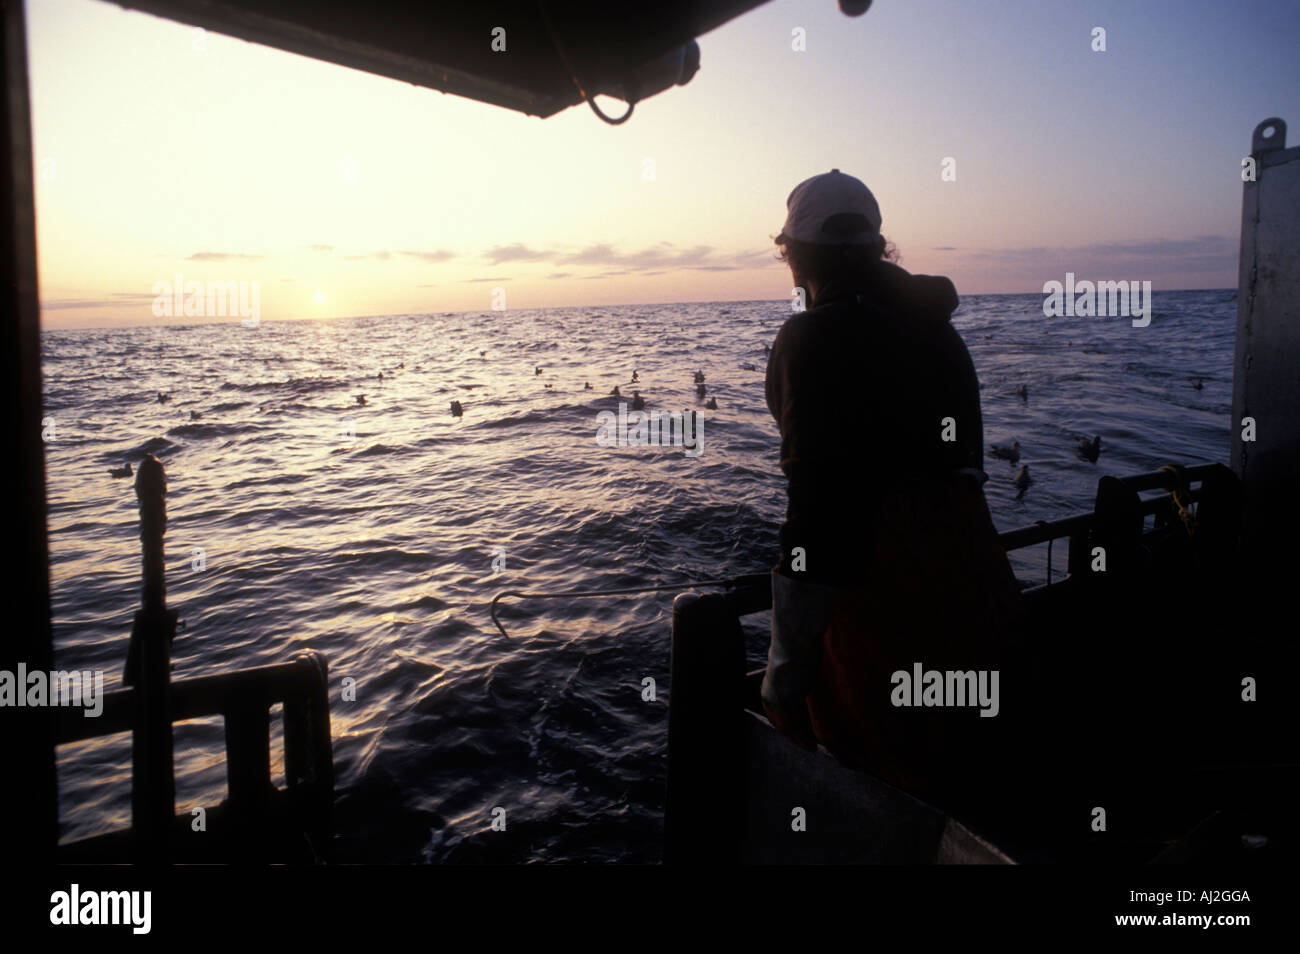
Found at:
(860, 385)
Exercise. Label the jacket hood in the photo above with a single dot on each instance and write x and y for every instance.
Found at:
(899, 291)
(925, 294)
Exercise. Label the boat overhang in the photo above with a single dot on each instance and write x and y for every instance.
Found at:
(520, 54)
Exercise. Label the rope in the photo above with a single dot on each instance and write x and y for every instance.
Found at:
(580, 594)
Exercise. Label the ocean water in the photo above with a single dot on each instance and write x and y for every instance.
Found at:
(377, 550)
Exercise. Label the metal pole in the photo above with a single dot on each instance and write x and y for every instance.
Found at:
(1265, 425)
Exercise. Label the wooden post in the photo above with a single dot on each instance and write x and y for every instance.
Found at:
(308, 755)
(148, 669)
(705, 708)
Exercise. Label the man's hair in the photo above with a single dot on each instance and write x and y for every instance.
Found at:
(827, 262)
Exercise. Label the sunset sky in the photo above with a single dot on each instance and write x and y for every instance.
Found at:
(159, 152)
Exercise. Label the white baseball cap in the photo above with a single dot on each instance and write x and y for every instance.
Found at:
(832, 209)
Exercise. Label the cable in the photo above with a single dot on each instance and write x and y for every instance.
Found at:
(613, 122)
(578, 594)
(573, 74)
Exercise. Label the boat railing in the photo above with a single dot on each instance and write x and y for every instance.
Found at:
(714, 739)
(257, 821)
(752, 593)
(1185, 484)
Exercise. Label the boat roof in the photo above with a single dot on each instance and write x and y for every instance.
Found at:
(448, 47)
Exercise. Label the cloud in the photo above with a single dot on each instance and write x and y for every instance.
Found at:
(514, 253)
(660, 257)
(472, 280)
(760, 258)
(384, 255)
(115, 300)
(592, 255)
(225, 257)
(656, 259)
(1108, 261)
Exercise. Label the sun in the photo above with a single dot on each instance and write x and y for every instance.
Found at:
(319, 298)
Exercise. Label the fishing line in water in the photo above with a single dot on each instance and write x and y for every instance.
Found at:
(618, 591)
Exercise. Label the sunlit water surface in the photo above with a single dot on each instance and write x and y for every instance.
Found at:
(377, 551)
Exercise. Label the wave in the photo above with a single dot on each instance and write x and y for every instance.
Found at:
(291, 386)
(158, 446)
(380, 450)
(202, 429)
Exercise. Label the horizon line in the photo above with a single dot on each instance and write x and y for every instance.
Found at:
(487, 312)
